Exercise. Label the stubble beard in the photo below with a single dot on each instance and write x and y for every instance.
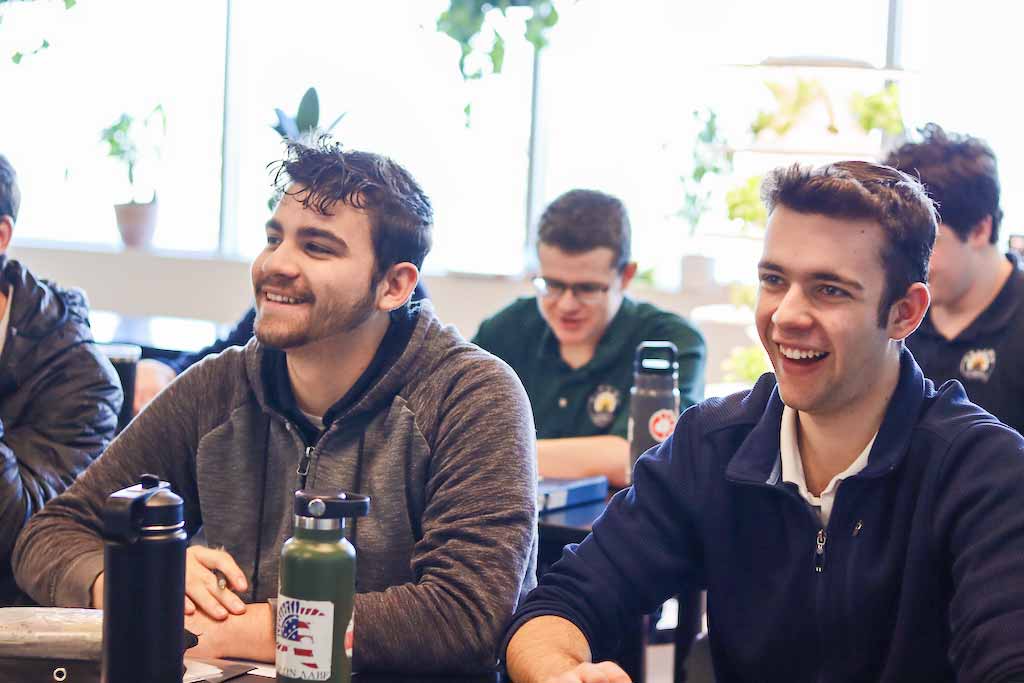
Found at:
(333, 319)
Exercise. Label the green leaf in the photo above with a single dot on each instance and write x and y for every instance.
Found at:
(308, 115)
(17, 57)
(68, 4)
(45, 45)
(497, 54)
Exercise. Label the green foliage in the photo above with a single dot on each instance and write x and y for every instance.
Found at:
(130, 140)
(743, 296)
(711, 156)
(19, 56)
(879, 111)
(745, 364)
(464, 19)
(744, 203)
(791, 103)
(306, 121)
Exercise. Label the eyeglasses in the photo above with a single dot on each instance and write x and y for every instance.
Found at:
(584, 292)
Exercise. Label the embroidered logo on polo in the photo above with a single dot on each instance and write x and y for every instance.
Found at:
(978, 364)
(602, 404)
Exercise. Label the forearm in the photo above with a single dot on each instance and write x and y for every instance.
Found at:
(240, 636)
(544, 648)
(585, 456)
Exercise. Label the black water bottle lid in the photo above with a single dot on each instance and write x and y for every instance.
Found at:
(330, 504)
(656, 358)
(149, 505)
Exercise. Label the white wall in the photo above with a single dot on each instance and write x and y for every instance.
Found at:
(138, 283)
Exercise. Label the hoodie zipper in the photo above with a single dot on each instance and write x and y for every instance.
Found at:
(819, 551)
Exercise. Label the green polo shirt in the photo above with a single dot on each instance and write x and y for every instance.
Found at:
(592, 400)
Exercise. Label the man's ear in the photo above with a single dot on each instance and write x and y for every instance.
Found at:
(6, 232)
(628, 273)
(907, 313)
(397, 286)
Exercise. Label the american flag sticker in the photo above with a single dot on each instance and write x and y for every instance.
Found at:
(305, 631)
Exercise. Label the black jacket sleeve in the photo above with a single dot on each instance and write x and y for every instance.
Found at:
(68, 415)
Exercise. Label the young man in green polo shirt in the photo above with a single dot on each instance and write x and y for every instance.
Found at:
(573, 344)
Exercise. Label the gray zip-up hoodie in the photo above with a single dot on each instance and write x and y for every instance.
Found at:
(442, 442)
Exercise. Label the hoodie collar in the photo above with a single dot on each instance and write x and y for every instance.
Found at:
(387, 373)
(757, 458)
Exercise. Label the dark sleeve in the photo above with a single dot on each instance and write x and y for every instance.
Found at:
(239, 336)
(60, 552)
(979, 522)
(69, 418)
(642, 550)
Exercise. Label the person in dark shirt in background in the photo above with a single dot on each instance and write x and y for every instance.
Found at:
(974, 331)
(573, 344)
(849, 520)
(59, 395)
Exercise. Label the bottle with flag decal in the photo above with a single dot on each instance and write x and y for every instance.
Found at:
(317, 588)
(654, 398)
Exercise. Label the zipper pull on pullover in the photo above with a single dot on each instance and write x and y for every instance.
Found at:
(819, 551)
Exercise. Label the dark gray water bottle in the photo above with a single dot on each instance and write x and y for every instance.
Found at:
(654, 398)
(143, 584)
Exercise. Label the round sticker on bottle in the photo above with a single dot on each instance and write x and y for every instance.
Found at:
(661, 424)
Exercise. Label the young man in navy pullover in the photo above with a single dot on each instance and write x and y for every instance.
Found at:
(850, 520)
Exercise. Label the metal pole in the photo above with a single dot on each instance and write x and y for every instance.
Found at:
(534, 180)
(226, 240)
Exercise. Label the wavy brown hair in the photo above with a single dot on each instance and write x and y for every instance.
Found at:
(401, 216)
(859, 190)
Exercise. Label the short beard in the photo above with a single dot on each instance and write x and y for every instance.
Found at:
(327, 323)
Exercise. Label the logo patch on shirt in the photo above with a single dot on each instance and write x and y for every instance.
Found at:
(978, 364)
(602, 404)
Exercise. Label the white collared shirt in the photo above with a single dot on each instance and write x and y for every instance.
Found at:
(793, 467)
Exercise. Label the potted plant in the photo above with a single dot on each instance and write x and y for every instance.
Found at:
(132, 141)
(303, 126)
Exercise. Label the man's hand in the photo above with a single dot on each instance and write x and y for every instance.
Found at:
(248, 636)
(202, 589)
(151, 376)
(603, 672)
(97, 592)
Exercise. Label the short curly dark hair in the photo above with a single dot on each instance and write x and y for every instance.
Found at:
(861, 190)
(10, 195)
(401, 216)
(581, 220)
(959, 172)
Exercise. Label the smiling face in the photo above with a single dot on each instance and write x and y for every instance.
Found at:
(821, 282)
(574, 323)
(314, 279)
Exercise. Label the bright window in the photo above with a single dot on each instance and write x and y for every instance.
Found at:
(107, 58)
(396, 78)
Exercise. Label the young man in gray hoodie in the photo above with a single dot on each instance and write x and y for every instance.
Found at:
(345, 386)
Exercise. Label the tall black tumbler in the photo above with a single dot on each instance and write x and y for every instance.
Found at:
(143, 584)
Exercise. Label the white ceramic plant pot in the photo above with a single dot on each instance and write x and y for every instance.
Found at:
(136, 222)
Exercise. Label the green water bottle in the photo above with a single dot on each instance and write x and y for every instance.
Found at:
(316, 590)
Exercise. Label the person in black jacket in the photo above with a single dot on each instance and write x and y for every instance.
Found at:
(849, 520)
(59, 396)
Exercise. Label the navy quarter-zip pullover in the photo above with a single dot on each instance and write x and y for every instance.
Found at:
(918, 576)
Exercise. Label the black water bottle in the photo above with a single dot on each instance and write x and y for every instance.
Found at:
(654, 398)
(143, 584)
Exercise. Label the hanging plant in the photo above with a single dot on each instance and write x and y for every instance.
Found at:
(18, 56)
(711, 157)
(464, 20)
(305, 125)
(791, 103)
(879, 111)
